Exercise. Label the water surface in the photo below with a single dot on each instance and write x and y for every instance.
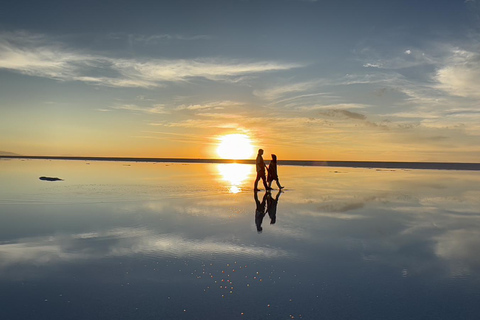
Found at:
(181, 241)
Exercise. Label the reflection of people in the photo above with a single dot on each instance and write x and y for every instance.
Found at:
(272, 206)
(259, 210)
(272, 172)
(260, 166)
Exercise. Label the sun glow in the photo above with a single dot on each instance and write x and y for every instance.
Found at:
(235, 174)
(235, 146)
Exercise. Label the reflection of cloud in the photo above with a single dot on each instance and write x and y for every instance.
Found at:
(339, 207)
(333, 215)
(460, 249)
(41, 252)
(290, 232)
(126, 242)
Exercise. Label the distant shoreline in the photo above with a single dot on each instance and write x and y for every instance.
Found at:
(305, 163)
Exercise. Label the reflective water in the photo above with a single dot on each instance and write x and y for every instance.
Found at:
(182, 241)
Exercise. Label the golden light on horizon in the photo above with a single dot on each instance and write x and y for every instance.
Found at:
(235, 146)
(235, 174)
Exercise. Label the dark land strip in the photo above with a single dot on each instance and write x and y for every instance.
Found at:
(305, 163)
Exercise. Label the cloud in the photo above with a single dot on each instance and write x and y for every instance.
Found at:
(338, 107)
(220, 115)
(280, 91)
(401, 60)
(344, 114)
(372, 65)
(27, 54)
(216, 105)
(158, 38)
(158, 70)
(303, 97)
(369, 78)
(202, 124)
(460, 76)
(156, 109)
(39, 56)
(452, 71)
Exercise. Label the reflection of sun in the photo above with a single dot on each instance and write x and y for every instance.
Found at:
(235, 174)
(235, 146)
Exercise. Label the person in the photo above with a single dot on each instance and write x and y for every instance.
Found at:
(259, 210)
(272, 173)
(272, 206)
(260, 167)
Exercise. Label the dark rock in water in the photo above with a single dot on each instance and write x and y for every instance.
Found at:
(50, 179)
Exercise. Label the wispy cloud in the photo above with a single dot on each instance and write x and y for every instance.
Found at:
(345, 114)
(216, 105)
(338, 106)
(157, 38)
(202, 123)
(403, 59)
(282, 90)
(220, 115)
(156, 109)
(39, 56)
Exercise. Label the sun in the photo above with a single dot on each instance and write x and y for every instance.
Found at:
(235, 146)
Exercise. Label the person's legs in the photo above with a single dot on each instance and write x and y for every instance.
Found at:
(265, 183)
(278, 184)
(255, 185)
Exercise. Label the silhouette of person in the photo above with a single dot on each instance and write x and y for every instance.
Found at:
(272, 172)
(260, 166)
(272, 206)
(259, 210)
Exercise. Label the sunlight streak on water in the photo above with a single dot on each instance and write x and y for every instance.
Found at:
(235, 174)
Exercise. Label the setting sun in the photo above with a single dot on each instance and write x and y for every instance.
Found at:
(235, 146)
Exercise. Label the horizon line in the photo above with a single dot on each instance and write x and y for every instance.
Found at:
(309, 163)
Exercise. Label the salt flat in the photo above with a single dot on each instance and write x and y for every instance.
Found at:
(125, 240)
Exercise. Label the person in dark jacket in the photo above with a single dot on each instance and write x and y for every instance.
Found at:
(272, 172)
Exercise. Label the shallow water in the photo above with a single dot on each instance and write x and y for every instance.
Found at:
(180, 241)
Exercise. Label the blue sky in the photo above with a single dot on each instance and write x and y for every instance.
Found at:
(351, 80)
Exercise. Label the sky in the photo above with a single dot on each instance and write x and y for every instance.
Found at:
(307, 80)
